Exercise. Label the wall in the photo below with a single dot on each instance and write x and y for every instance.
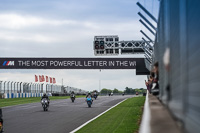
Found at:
(178, 30)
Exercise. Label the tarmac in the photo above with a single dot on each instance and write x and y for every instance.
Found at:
(63, 116)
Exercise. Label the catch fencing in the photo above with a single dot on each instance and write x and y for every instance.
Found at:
(178, 31)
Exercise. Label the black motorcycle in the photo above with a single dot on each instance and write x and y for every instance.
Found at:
(1, 121)
(95, 96)
(73, 97)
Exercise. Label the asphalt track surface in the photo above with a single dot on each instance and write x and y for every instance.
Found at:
(63, 116)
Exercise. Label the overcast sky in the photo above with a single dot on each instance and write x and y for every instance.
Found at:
(66, 28)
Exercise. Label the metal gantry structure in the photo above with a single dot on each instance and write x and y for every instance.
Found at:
(109, 45)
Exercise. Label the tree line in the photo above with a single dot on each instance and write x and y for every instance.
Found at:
(126, 91)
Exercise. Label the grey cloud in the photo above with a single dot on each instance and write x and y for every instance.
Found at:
(66, 29)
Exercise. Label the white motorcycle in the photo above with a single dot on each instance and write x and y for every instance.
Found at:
(45, 104)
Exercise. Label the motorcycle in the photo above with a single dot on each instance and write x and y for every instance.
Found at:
(1, 126)
(73, 98)
(89, 101)
(95, 97)
(45, 104)
(1, 122)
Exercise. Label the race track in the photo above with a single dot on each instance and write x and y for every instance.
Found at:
(63, 115)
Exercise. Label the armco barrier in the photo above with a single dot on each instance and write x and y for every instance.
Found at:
(21, 95)
(11, 95)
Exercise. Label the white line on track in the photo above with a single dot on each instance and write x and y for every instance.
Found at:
(96, 117)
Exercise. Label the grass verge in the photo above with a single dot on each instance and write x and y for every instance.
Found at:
(124, 118)
(17, 101)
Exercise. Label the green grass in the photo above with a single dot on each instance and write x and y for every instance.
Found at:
(124, 118)
(17, 101)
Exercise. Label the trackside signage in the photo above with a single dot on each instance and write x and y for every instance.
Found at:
(71, 63)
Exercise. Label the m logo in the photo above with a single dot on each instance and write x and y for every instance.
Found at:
(8, 63)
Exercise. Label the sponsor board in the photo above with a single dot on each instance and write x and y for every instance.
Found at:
(75, 63)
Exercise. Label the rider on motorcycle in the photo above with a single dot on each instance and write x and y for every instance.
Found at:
(95, 93)
(46, 97)
(72, 94)
(1, 120)
(89, 95)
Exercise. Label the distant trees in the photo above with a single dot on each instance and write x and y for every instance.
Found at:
(133, 91)
(129, 91)
(115, 91)
(126, 91)
(105, 91)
